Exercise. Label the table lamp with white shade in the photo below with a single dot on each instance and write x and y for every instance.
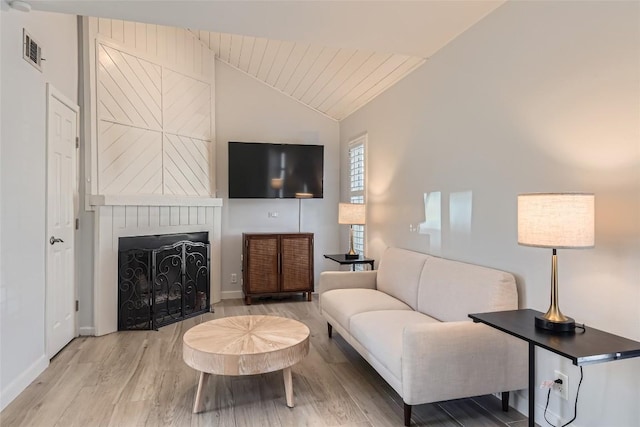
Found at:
(351, 214)
(556, 221)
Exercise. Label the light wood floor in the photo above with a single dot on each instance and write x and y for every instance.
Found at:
(139, 379)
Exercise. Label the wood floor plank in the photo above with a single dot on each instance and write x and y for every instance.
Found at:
(115, 374)
(174, 401)
(470, 414)
(36, 392)
(96, 349)
(523, 423)
(375, 407)
(59, 396)
(130, 414)
(332, 401)
(146, 379)
(138, 378)
(251, 406)
(83, 412)
(493, 405)
(305, 412)
(219, 407)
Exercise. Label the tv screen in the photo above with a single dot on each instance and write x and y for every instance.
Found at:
(260, 170)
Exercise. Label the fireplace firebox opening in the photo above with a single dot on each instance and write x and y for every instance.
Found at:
(162, 279)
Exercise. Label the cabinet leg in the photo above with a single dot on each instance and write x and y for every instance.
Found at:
(247, 300)
(309, 296)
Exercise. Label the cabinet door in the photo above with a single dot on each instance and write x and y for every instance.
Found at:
(262, 263)
(297, 262)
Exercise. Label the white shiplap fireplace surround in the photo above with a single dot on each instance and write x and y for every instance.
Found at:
(150, 159)
(126, 216)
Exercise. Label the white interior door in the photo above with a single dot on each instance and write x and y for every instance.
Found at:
(62, 130)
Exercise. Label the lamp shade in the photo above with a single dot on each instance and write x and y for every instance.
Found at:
(556, 220)
(351, 213)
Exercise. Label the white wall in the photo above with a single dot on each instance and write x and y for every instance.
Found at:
(22, 176)
(247, 110)
(539, 96)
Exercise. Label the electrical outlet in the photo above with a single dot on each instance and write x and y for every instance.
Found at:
(234, 278)
(561, 390)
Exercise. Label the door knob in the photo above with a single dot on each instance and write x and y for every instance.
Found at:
(54, 240)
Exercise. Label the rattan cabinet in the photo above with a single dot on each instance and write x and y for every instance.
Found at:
(277, 263)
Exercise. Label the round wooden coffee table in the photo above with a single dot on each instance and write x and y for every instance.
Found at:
(245, 345)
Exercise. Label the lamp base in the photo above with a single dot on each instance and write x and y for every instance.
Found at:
(351, 256)
(563, 326)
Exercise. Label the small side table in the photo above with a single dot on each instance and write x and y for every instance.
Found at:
(592, 346)
(340, 259)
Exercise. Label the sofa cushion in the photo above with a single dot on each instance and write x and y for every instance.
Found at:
(380, 332)
(399, 274)
(341, 304)
(450, 290)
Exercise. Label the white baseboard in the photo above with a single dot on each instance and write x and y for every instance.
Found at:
(17, 386)
(231, 295)
(87, 331)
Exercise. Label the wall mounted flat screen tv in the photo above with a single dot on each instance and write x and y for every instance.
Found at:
(260, 170)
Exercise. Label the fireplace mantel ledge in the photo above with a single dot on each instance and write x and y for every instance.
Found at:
(152, 200)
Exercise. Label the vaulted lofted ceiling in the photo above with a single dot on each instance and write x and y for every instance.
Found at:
(333, 56)
(333, 81)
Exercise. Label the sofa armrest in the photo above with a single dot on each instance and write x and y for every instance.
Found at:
(346, 280)
(450, 360)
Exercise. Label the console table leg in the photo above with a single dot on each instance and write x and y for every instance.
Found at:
(198, 405)
(532, 384)
(288, 386)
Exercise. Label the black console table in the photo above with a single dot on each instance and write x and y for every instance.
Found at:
(342, 260)
(592, 346)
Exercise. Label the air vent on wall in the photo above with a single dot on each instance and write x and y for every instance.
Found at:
(31, 50)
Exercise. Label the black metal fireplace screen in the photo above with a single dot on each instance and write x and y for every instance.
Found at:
(162, 279)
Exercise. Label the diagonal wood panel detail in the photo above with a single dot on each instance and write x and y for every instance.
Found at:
(154, 114)
(186, 166)
(129, 89)
(186, 105)
(129, 159)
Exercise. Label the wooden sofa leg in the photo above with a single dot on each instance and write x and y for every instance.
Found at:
(407, 414)
(505, 401)
(329, 329)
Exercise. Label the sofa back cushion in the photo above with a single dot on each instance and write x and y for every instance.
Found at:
(451, 290)
(399, 274)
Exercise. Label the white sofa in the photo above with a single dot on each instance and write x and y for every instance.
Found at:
(409, 320)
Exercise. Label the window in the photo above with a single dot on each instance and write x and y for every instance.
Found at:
(357, 186)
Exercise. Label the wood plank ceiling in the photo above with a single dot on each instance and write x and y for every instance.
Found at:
(336, 82)
(374, 44)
